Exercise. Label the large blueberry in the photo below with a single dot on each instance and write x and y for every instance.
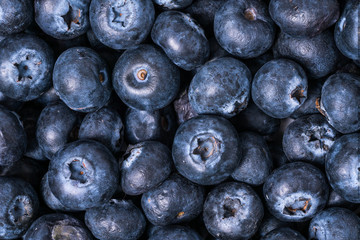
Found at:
(295, 192)
(19, 206)
(347, 33)
(206, 149)
(15, 16)
(342, 165)
(145, 166)
(145, 79)
(176, 200)
(181, 38)
(81, 79)
(26, 63)
(220, 87)
(284, 233)
(83, 174)
(232, 211)
(335, 224)
(279, 88)
(177, 232)
(121, 24)
(244, 28)
(116, 219)
(308, 139)
(318, 55)
(304, 18)
(62, 19)
(340, 101)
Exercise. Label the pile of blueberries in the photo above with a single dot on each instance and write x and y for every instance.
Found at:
(179, 119)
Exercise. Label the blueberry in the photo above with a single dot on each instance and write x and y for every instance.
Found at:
(232, 211)
(121, 24)
(341, 91)
(177, 232)
(309, 139)
(57, 226)
(295, 192)
(104, 126)
(283, 234)
(64, 19)
(335, 224)
(181, 38)
(279, 88)
(347, 30)
(176, 200)
(256, 163)
(244, 28)
(145, 166)
(54, 127)
(19, 207)
(221, 87)
(183, 108)
(15, 16)
(342, 165)
(145, 79)
(81, 79)
(335, 200)
(26, 63)
(48, 97)
(117, 219)
(304, 18)
(12, 140)
(271, 223)
(83, 174)
(173, 4)
(318, 55)
(206, 149)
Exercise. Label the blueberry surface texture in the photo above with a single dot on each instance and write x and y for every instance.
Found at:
(279, 88)
(121, 24)
(26, 63)
(182, 39)
(178, 232)
(206, 149)
(81, 79)
(304, 18)
(173, 4)
(283, 234)
(220, 87)
(16, 16)
(145, 79)
(244, 28)
(117, 219)
(232, 211)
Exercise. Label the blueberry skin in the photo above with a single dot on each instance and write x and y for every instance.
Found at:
(279, 88)
(295, 192)
(304, 18)
(206, 149)
(62, 19)
(177, 232)
(181, 38)
(121, 24)
(335, 200)
(232, 211)
(341, 91)
(159, 125)
(283, 234)
(318, 55)
(13, 140)
(335, 224)
(26, 63)
(346, 33)
(57, 226)
(271, 223)
(48, 97)
(16, 16)
(183, 108)
(116, 219)
(231, 79)
(19, 207)
(309, 139)
(173, 4)
(47, 195)
(145, 166)
(176, 200)
(145, 79)
(342, 165)
(81, 79)
(83, 174)
(256, 163)
(54, 127)
(104, 126)
(244, 28)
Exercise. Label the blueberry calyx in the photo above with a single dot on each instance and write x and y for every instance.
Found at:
(206, 146)
(250, 14)
(72, 16)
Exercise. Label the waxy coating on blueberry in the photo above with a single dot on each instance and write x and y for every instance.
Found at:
(15, 16)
